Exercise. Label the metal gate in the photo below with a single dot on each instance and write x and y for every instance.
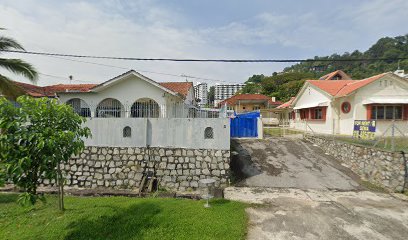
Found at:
(245, 125)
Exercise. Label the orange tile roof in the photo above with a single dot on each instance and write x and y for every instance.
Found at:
(349, 88)
(178, 87)
(50, 91)
(32, 90)
(287, 104)
(340, 88)
(69, 87)
(234, 99)
(331, 75)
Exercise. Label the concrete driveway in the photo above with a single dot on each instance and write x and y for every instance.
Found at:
(288, 163)
(322, 214)
(299, 192)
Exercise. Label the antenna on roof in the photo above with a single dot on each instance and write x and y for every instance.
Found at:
(183, 75)
(398, 64)
(70, 78)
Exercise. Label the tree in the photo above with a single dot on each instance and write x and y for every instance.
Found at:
(38, 135)
(211, 95)
(17, 66)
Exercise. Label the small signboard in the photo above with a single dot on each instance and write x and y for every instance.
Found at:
(364, 129)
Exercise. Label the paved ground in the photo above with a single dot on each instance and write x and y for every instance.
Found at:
(322, 214)
(301, 193)
(288, 163)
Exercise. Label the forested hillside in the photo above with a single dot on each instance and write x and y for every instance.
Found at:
(288, 83)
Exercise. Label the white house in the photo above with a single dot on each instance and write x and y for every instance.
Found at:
(331, 106)
(130, 95)
(127, 95)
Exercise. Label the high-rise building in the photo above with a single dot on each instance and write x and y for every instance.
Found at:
(224, 91)
(201, 93)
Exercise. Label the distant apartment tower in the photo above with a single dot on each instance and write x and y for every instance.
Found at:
(201, 93)
(224, 91)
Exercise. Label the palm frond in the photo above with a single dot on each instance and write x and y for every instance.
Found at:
(9, 89)
(7, 43)
(19, 67)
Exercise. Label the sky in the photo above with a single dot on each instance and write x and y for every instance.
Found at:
(229, 29)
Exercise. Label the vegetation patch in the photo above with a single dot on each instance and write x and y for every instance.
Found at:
(280, 132)
(122, 218)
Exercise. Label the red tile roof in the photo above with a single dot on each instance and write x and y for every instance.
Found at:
(178, 87)
(32, 90)
(234, 99)
(286, 104)
(340, 88)
(331, 75)
(69, 87)
(50, 91)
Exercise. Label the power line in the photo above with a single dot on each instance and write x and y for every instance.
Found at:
(206, 60)
(138, 70)
(64, 78)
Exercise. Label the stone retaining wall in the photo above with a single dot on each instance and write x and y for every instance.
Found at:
(380, 167)
(123, 167)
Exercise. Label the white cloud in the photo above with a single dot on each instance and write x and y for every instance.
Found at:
(145, 29)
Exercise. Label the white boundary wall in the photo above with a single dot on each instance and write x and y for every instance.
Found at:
(159, 132)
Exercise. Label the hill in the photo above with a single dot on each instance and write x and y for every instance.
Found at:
(287, 84)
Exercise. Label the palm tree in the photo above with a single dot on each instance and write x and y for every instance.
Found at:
(17, 66)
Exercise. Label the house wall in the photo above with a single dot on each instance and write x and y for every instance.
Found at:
(338, 122)
(379, 167)
(127, 92)
(160, 132)
(175, 149)
(122, 168)
(393, 89)
(311, 95)
(247, 107)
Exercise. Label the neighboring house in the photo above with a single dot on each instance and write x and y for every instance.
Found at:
(225, 91)
(249, 102)
(127, 95)
(336, 75)
(332, 106)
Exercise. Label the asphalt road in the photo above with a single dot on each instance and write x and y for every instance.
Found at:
(288, 163)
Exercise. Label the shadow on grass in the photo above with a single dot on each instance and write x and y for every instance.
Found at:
(125, 223)
(219, 201)
(8, 198)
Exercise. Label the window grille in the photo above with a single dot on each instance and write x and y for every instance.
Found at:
(127, 132)
(110, 108)
(208, 133)
(386, 112)
(80, 107)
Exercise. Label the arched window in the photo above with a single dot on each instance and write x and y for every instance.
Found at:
(110, 108)
(127, 132)
(80, 107)
(145, 108)
(208, 133)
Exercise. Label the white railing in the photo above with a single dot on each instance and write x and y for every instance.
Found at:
(111, 108)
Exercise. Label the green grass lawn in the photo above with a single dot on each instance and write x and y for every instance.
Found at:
(122, 218)
(401, 144)
(280, 132)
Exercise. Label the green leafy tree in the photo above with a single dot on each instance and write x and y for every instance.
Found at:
(285, 85)
(386, 48)
(211, 95)
(38, 135)
(17, 66)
